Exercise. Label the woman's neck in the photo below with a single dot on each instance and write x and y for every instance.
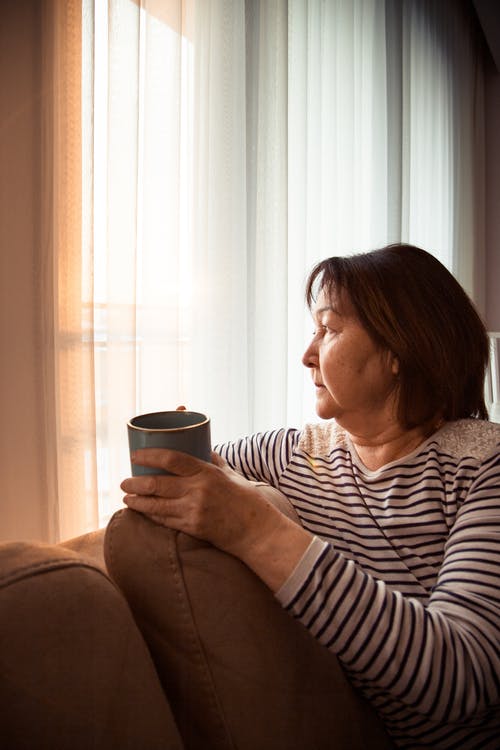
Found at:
(377, 450)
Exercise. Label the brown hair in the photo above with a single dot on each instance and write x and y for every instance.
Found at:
(412, 306)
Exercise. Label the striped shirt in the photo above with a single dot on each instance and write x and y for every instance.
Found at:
(402, 578)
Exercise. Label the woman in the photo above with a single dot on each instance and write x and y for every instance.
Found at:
(395, 564)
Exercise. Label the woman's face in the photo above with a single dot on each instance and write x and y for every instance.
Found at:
(355, 380)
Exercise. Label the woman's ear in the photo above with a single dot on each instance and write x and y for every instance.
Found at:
(395, 365)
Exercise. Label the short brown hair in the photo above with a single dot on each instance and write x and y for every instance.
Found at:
(412, 306)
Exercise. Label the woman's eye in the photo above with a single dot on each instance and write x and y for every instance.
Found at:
(321, 330)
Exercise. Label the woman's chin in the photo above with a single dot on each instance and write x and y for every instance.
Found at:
(324, 411)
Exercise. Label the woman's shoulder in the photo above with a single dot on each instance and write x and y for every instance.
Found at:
(319, 439)
(474, 438)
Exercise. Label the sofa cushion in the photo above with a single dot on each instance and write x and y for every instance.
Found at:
(239, 672)
(74, 670)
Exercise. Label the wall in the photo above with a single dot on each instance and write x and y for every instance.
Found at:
(22, 455)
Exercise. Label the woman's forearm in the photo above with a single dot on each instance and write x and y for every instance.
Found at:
(273, 546)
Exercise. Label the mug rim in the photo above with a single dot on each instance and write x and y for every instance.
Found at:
(205, 420)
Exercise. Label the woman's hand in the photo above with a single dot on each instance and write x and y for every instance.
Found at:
(208, 501)
(214, 503)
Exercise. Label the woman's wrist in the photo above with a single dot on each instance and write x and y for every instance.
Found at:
(273, 544)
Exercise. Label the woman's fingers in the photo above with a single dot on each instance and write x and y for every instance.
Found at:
(181, 514)
(160, 510)
(154, 485)
(169, 460)
(154, 507)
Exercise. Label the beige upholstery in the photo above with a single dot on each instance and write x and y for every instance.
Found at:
(91, 546)
(185, 649)
(75, 673)
(238, 671)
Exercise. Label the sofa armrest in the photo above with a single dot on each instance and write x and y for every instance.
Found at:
(74, 670)
(239, 672)
(90, 546)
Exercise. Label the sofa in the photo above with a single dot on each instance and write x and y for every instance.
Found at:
(137, 636)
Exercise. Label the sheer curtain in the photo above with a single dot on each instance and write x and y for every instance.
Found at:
(240, 142)
(66, 272)
(385, 134)
(48, 479)
(188, 116)
(198, 157)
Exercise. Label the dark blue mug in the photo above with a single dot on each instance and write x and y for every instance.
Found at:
(186, 431)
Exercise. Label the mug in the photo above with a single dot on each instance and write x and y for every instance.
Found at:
(186, 431)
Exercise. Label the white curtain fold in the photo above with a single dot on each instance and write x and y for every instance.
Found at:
(190, 251)
(338, 148)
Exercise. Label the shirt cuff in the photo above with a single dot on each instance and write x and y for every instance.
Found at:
(299, 574)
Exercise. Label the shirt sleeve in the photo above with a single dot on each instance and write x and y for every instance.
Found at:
(262, 457)
(441, 659)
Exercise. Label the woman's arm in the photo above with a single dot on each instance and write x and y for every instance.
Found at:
(440, 660)
(263, 456)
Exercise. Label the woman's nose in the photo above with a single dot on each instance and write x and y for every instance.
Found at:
(310, 358)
